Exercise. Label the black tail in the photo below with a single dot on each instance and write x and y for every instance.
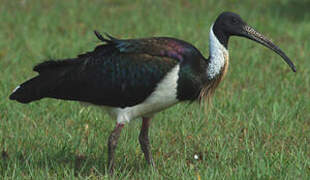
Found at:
(31, 90)
(49, 78)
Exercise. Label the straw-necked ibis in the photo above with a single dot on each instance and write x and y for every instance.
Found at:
(136, 78)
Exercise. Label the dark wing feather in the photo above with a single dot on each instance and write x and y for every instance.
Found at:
(156, 46)
(106, 77)
(118, 73)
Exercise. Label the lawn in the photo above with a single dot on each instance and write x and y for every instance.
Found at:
(257, 128)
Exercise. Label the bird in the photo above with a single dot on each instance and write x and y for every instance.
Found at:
(137, 78)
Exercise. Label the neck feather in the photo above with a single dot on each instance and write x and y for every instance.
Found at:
(218, 60)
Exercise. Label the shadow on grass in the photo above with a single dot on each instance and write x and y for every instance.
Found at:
(58, 162)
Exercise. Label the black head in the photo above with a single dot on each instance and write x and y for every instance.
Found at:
(226, 25)
(230, 24)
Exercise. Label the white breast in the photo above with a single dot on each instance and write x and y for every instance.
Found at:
(164, 96)
(217, 55)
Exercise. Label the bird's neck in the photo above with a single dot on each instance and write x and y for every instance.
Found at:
(218, 60)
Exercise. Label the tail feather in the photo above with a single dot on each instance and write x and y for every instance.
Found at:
(52, 65)
(31, 90)
(50, 77)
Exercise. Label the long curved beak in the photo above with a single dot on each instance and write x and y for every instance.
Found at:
(252, 34)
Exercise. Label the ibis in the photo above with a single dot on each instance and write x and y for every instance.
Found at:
(136, 78)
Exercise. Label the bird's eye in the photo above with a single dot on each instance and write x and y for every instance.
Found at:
(234, 21)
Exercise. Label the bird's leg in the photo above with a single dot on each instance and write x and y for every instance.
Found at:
(112, 143)
(144, 140)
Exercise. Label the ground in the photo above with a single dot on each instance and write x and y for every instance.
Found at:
(258, 127)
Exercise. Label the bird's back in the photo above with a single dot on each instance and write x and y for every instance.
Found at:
(119, 73)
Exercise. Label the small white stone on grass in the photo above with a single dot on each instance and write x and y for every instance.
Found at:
(196, 156)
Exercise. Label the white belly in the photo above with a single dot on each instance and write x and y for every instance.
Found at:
(164, 96)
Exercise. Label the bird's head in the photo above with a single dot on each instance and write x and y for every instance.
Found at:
(230, 24)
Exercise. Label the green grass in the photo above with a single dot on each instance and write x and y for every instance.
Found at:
(258, 128)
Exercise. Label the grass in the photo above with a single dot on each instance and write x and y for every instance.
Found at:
(258, 128)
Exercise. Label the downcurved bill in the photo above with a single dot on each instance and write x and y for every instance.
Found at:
(250, 33)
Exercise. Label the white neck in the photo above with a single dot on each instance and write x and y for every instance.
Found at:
(218, 55)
